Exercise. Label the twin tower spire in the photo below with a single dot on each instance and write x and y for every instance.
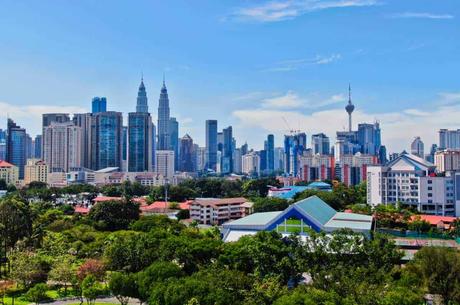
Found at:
(142, 100)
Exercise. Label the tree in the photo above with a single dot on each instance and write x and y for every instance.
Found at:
(28, 268)
(440, 270)
(156, 273)
(3, 185)
(259, 187)
(91, 267)
(269, 204)
(37, 293)
(63, 271)
(114, 215)
(15, 221)
(123, 286)
(91, 289)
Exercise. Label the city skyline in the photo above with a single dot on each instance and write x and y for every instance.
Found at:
(402, 69)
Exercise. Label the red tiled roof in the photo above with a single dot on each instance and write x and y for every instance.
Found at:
(81, 209)
(434, 219)
(105, 198)
(185, 205)
(5, 164)
(216, 202)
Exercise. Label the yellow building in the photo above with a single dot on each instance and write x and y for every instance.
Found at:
(35, 170)
(9, 172)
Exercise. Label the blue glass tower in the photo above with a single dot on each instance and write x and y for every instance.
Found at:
(270, 148)
(140, 134)
(38, 147)
(106, 139)
(211, 144)
(16, 146)
(174, 140)
(2, 145)
(227, 150)
(99, 104)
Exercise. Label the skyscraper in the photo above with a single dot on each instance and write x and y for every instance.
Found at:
(294, 146)
(2, 144)
(174, 139)
(349, 108)
(417, 147)
(186, 154)
(163, 120)
(16, 146)
(106, 140)
(62, 148)
(227, 150)
(165, 163)
(38, 147)
(320, 144)
(369, 138)
(270, 148)
(449, 139)
(83, 120)
(211, 144)
(99, 104)
(142, 101)
(140, 135)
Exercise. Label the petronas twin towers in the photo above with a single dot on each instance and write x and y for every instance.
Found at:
(141, 131)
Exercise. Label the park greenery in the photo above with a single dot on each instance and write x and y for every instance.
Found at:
(53, 252)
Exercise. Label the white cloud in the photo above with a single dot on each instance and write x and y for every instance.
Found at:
(398, 128)
(422, 15)
(296, 64)
(289, 100)
(30, 117)
(280, 10)
(292, 100)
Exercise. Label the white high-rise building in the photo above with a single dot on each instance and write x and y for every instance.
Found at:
(447, 160)
(250, 163)
(62, 148)
(35, 170)
(449, 139)
(165, 163)
(410, 180)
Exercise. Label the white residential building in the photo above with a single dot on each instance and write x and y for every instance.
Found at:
(447, 160)
(62, 146)
(410, 180)
(250, 163)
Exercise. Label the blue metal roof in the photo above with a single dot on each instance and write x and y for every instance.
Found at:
(316, 208)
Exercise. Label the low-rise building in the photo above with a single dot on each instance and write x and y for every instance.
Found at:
(9, 172)
(308, 214)
(217, 211)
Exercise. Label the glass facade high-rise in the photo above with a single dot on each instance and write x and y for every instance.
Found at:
(320, 144)
(106, 139)
(16, 146)
(186, 154)
(369, 138)
(83, 120)
(227, 150)
(99, 104)
(270, 148)
(38, 147)
(2, 144)
(140, 135)
(449, 139)
(163, 120)
(211, 145)
(294, 146)
(174, 139)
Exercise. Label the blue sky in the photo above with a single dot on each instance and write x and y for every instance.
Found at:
(248, 64)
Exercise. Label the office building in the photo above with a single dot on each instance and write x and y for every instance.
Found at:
(227, 150)
(38, 147)
(2, 144)
(211, 145)
(139, 137)
(410, 180)
(320, 144)
(237, 166)
(279, 159)
(174, 139)
(62, 146)
(98, 104)
(200, 155)
(165, 163)
(417, 147)
(294, 146)
(163, 120)
(369, 139)
(186, 154)
(9, 172)
(449, 139)
(16, 146)
(83, 120)
(270, 148)
(35, 170)
(139, 142)
(430, 157)
(106, 140)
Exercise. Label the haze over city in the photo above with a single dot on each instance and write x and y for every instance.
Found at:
(252, 65)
